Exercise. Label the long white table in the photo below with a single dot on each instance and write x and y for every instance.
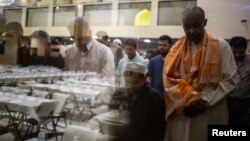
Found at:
(24, 104)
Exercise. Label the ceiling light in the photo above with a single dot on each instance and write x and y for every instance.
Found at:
(147, 41)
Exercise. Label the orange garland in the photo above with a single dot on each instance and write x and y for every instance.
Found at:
(204, 69)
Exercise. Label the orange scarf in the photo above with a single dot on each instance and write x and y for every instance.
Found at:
(204, 68)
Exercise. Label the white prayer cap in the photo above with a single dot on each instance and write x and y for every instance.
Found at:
(135, 67)
(117, 42)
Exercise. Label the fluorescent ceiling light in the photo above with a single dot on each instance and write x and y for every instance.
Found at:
(147, 41)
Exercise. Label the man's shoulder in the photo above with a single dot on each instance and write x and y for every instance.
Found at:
(100, 46)
(141, 59)
(70, 47)
(123, 60)
(70, 51)
(103, 49)
(155, 59)
(154, 94)
(248, 57)
(223, 44)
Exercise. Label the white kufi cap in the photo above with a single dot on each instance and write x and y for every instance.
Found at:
(117, 42)
(135, 67)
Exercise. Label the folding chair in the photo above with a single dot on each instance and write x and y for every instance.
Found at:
(3, 111)
(22, 129)
(58, 111)
(5, 121)
(72, 107)
(78, 108)
(45, 114)
(27, 127)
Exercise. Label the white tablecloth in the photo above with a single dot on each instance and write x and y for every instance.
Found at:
(24, 104)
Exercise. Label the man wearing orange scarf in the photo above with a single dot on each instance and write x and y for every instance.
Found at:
(198, 74)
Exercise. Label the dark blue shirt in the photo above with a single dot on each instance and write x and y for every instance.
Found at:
(155, 69)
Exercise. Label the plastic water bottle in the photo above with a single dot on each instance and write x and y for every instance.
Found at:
(120, 111)
(41, 135)
(92, 102)
(75, 138)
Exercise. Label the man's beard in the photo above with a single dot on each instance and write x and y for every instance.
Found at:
(82, 47)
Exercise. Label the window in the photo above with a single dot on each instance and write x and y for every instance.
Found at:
(170, 12)
(67, 12)
(37, 17)
(99, 14)
(131, 13)
(13, 15)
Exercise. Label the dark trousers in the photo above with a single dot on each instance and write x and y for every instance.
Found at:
(239, 111)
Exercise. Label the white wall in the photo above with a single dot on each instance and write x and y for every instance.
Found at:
(224, 17)
(224, 20)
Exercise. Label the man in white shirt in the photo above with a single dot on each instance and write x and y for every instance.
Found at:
(86, 53)
(198, 75)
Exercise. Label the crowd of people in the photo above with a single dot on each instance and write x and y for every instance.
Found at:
(197, 81)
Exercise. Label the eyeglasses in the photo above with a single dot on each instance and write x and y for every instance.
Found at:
(194, 25)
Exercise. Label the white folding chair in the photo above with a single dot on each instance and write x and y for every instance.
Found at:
(4, 119)
(3, 110)
(27, 127)
(45, 109)
(58, 111)
(45, 115)
(72, 107)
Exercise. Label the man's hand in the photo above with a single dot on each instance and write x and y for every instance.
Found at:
(195, 108)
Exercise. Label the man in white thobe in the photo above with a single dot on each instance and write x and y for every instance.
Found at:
(198, 75)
